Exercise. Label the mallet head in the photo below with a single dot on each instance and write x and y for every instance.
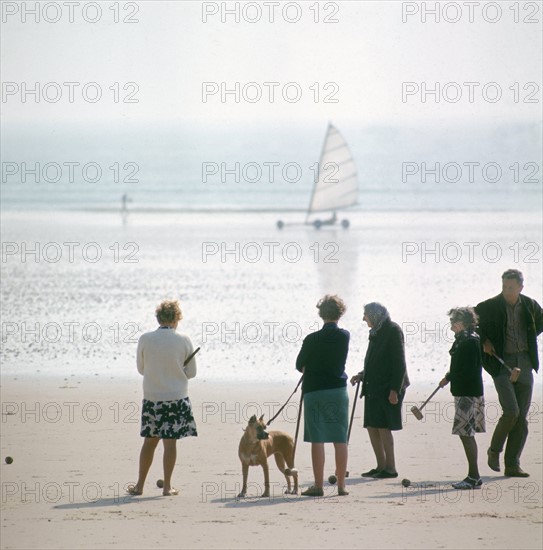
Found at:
(515, 373)
(416, 413)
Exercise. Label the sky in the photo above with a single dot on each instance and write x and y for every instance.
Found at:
(358, 66)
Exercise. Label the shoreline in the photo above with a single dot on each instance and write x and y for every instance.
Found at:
(24, 211)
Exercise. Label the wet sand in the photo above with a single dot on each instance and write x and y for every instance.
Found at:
(75, 445)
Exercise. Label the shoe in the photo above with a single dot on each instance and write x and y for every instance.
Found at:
(383, 474)
(371, 473)
(493, 460)
(313, 492)
(468, 483)
(516, 471)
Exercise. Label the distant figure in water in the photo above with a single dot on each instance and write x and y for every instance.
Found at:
(124, 200)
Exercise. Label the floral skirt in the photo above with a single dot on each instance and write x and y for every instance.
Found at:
(167, 419)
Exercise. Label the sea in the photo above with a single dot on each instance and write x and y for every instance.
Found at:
(99, 225)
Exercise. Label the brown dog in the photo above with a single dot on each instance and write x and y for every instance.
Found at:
(257, 445)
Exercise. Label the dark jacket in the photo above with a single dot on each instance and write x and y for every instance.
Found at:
(492, 326)
(466, 371)
(384, 364)
(323, 355)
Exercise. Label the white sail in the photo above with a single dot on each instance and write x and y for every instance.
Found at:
(337, 183)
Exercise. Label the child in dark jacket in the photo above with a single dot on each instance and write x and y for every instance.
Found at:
(465, 376)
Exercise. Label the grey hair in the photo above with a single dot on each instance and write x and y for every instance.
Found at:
(513, 274)
(377, 314)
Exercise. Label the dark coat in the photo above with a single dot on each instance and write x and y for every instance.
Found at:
(384, 364)
(465, 374)
(492, 326)
(322, 358)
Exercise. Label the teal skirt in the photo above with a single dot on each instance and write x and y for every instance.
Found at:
(326, 416)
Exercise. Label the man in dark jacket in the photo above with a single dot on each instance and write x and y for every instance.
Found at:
(508, 326)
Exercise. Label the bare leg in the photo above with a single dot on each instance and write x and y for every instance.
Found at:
(317, 458)
(470, 448)
(341, 464)
(388, 446)
(170, 456)
(146, 459)
(378, 449)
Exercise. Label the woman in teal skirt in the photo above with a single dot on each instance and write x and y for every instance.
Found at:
(324, 387)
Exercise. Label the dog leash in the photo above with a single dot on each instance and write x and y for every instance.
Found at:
(286, 402)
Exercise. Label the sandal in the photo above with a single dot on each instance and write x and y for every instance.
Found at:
(342, 492)
(313, 492)
(468, 483)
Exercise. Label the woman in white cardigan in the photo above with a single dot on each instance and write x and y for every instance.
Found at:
(166, 411)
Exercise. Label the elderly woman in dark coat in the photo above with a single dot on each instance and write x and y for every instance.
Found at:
(384, 380)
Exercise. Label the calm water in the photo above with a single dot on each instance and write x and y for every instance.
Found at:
(248, 290)
(212, 168)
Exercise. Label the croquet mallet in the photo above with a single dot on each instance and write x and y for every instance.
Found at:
(417, 411)
(514, 373)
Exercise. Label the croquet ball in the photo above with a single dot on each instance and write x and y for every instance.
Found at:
(9, 460)
(160, 483)
(406, 482)
(332, 479)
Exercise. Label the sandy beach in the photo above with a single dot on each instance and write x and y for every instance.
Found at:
(247, 159)
(71, 401)
(75, 444)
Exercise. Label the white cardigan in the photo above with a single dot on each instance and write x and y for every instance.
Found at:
(160, 359)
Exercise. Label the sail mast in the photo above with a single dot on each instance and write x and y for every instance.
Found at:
(315, 183)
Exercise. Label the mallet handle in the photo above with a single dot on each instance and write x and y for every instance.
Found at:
(503, 363)
(189, 358)
(352, 413)
(426, 402)
(297, 426)
(514, 373)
